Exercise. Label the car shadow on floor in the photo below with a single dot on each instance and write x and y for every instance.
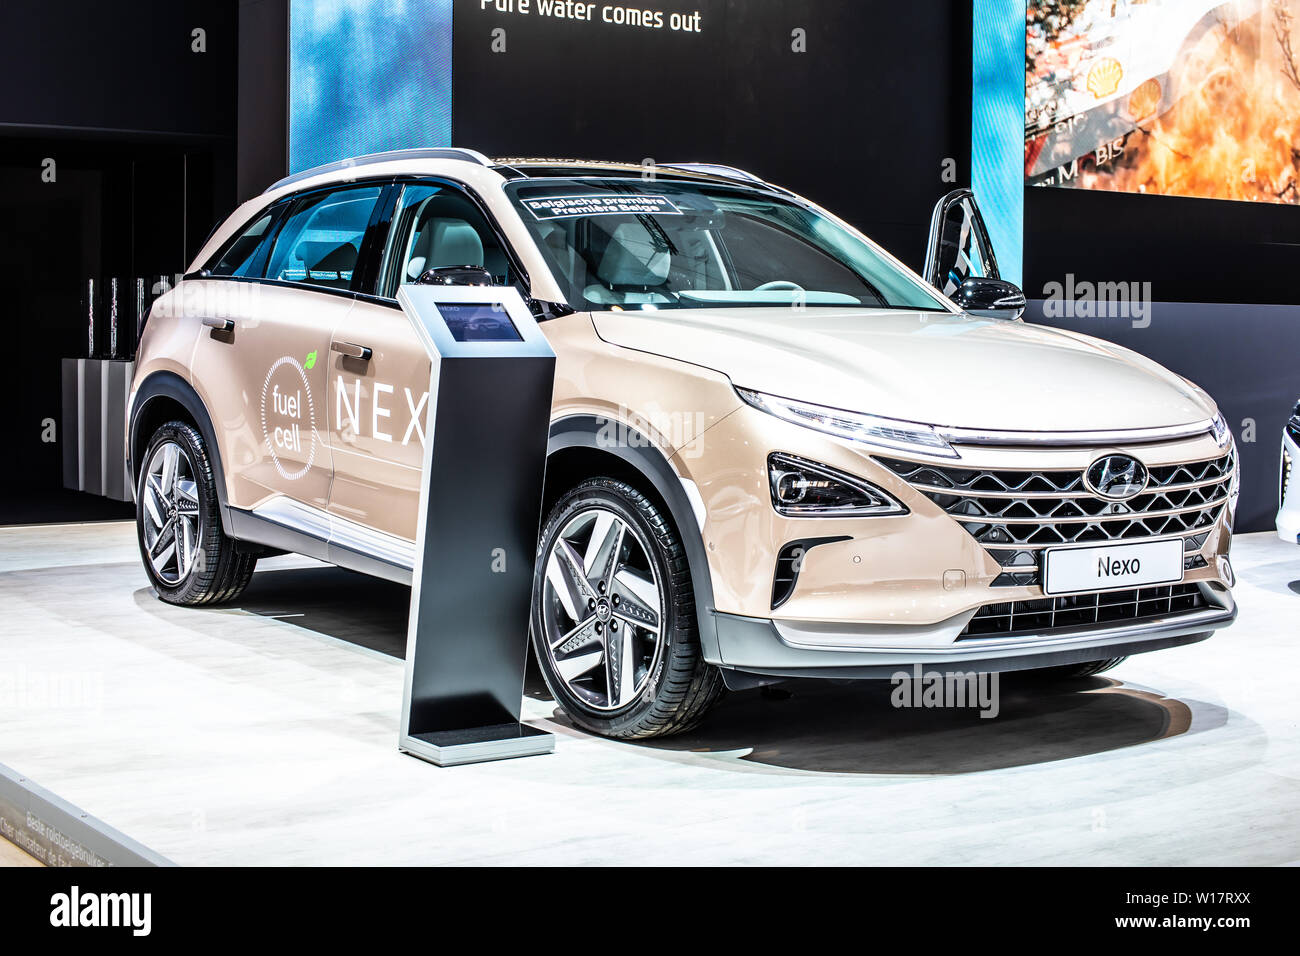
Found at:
(361, 610)
(808, 725)
(836, 727)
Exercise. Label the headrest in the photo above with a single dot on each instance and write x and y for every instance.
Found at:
(634, 257)
(452, 242)
(328, 261)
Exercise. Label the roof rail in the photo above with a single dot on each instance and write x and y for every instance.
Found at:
(716, 169)
(392, 155)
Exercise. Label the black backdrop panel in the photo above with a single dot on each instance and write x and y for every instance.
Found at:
(128, 66)
(861, 123)
(1190, 250)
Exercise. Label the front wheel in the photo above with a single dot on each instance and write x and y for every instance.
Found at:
(613, 620)
(186, 553)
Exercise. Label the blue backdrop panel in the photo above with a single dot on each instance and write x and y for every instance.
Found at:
(998, 127)
(366, 76)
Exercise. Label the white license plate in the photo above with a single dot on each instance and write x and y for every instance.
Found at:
(1111, 567)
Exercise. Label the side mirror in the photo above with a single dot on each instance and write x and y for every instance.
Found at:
(990, 298)
(456, 275)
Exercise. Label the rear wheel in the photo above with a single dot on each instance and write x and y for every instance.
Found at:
(1078, 671)
(186, 553)
(614, 616)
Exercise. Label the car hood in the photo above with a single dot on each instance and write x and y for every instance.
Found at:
(937, 368)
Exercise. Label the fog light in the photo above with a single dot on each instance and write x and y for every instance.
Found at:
(1225, 571)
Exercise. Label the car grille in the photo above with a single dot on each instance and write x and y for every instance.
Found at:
(1044, 615)
(1016, 514)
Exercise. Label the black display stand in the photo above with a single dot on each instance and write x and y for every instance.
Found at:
(480, 506)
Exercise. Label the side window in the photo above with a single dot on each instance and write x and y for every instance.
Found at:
(436, 225)
(245, 256)
(320, 240)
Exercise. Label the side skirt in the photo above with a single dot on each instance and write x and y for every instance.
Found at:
(286, 525)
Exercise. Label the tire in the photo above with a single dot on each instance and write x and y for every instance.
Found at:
(186, 554)
(1077, 671)
(648, 682)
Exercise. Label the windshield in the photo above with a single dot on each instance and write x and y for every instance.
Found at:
(629, 244)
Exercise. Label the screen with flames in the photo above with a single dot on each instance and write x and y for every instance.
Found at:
(1168, 97)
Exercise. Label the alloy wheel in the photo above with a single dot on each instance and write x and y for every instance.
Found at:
(171, 506)
(602, 611)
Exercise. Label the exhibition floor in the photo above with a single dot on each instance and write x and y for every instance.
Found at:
(267, 734)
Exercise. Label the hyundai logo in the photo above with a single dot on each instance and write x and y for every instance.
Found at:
(1116, 477)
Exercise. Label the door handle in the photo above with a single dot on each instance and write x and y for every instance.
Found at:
(351, 350)
(219, 323)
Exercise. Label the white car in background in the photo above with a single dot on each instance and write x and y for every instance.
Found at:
(1288, 515)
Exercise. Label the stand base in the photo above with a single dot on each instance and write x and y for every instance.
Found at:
(451, 748)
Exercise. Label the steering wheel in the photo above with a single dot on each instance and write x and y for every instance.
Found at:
(782, 284)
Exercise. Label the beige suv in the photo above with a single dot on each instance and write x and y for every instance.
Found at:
(775, 451)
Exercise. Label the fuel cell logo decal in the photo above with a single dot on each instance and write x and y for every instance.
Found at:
(289, 418)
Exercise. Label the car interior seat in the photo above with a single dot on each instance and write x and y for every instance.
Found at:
(328, 263)
(633, 270)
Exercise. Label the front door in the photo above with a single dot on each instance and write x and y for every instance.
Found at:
(379, 371)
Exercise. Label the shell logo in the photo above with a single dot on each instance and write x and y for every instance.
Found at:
(1104, 77)
(1144, 100)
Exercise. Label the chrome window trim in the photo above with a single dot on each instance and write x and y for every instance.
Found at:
(373, 159)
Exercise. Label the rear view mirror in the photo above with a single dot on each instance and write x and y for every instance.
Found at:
(990, 298)
(456, 275)
(959, 247)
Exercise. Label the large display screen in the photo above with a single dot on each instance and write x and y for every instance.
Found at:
(1168, 97)
(367, 76)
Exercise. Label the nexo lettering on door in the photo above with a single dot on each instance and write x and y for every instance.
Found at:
(379, 415)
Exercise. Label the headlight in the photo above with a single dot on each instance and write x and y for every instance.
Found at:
(1293, 426)
(871, 429)
(804, 489)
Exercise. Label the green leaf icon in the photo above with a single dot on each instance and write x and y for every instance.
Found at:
(311, 361)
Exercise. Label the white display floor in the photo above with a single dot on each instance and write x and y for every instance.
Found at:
(267, 734)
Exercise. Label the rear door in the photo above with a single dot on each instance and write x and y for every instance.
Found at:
(264, 378)
(959, 246)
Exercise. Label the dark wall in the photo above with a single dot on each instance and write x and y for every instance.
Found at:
(263, 121)
(118, 66)
(862, 122)
(117, 154)
(1190, 250)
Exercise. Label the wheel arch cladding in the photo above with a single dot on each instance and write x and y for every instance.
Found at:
(164, 397)
(576, 448)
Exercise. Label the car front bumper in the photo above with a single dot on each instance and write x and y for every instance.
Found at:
(872, 595)
(782, 649)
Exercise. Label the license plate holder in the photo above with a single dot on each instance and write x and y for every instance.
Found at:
(1112, 567)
